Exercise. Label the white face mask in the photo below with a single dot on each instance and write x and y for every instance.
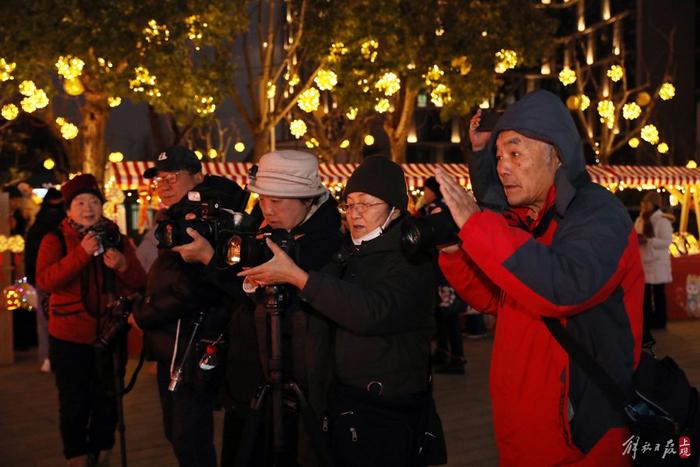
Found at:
(374, 233)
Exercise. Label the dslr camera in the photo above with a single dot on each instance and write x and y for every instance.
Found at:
(205, 214)
(108, 236)
(116, 321)
(250, 250)
(423, 234)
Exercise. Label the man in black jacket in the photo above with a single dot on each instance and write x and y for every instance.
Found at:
(181, 311)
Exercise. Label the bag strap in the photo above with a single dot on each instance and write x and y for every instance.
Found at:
(587, 363)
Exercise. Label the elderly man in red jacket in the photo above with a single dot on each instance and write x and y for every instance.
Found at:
(562, 247)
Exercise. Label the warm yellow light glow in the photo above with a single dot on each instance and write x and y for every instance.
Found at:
(463, 64)
(573, 102)
(155, 32)
(27, 88)
(142, 78)
(199, 154)
(115, 156)
(345, 144)
(643, 98)
(650, 134)
(297, 128)
(326, 80)
(631, 110)
(585, 102)
(49, 164)
(351, 113)
(567, 76)
(369, 50)
(369, 140)
(615, 73)
(692, 165)
(389, 83)
(9, 111)
(633, 142)
(73, 87)
(69, 131)
(28, 105)
(667, 91)
(505, 60)
(382, 105)
(309, 100)
(69, 67)
(239, 147)
(204, 105)
(440, 95)
(212, 153)
(662, 148)
(6, 69)
(114, 101)
(433, 75)
(336, 51)
(485, 104)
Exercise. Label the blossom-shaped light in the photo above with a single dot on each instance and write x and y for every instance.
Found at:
(631, 110)
(615, 73)
(440, 95)
(297, 128)
(27, 88)
(239, 147)
(114, 101)
(667, 91)
(567, 76)
(633, 142)
(389, 83)
(194, 28)
(69, 67)
(345, 144)
(9, 111)
(369, 140)
(369, 50)
(40, 99)
(662, 148)
(433, 75)
(204, 105)
(292, 80)
(309, 100)
(271, 90)
(585, 102)
(606, 110)
(6, 69)
(462, 63)
(351, 113)
(155, 32)
(505, 60)
(142, 78)
(650, 134)
(115, 156)
(28, 104)
(212, 153)
(692, 165)
(49, 164)
(382, 105)
(336, 51)
(69, 131)
(326, 80)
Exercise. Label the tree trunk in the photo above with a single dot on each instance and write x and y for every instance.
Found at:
(95, 113)
(398, 125)
(261, 143)
(159, 139)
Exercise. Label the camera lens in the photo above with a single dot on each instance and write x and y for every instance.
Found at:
(233, 250)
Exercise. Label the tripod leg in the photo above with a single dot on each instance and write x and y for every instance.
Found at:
(311, 425)
(251, 429)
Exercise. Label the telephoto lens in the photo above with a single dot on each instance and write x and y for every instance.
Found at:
(421, 235)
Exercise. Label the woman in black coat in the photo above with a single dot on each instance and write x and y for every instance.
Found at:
(381, 303)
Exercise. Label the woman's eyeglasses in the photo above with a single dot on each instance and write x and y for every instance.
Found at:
(360, 208)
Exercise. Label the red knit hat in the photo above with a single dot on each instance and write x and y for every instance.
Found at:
(85, 183)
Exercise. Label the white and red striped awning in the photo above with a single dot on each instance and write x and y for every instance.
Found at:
(129, 175)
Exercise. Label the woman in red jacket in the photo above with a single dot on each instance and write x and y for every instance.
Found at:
(81, 279)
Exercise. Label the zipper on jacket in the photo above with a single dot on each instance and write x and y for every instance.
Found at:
(353, 432)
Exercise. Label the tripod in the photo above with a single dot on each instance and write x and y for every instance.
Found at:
(275, 298)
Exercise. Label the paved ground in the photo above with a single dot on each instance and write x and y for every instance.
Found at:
(29, 416)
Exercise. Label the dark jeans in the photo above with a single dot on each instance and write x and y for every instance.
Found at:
(654, 308)
(449, 334)
(87, 402)
(188, 421)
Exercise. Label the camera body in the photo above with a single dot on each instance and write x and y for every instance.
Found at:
(108, 236)
(116, 320)
(426, 233)
(250, 250)
(207, 216)
(489, 118)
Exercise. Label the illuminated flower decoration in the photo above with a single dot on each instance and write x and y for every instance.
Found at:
(312, 143)
(433, 75)
(309, 100)
(49, 164)
(297, 128)
(106, 64)
(567, 76)
(194, 29)
(9, 111)
(271, 90)
(326, 80)
(115, 156)
(6, 69)
(662, 148)
(650, 134)
(114, 101)
(440, 95)
(667, 91)
(27, 88)
(28, 104)
(69, 131)
(40, 99)
(585, 102)
(337, 50)
(463, 64)
(389, 84)
(69, 67)
(606, 110)
(369, 140)
(631, 111)
(382, 105)
(204, 105)
(345, 144)
(292, 80)
(351, 113)
(369, 50)
(615, 73)
(239, 147)
(633, 142)
(505, 60)
(155, 32)
(73, 86)
(144, 81)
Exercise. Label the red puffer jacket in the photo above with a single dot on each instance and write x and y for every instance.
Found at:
(74, 278)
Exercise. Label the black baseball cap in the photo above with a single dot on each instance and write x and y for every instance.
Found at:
(173, 159)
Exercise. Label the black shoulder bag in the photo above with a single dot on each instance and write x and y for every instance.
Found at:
(662, 407)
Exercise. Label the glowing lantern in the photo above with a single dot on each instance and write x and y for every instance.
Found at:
(573, 102)
(73, 87)
(643, 98)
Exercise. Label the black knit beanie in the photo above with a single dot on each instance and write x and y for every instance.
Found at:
(379, 176)
(434, 186)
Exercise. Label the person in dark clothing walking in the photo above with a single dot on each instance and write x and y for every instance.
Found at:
(382, 305)
(552, 244)
(47, 220)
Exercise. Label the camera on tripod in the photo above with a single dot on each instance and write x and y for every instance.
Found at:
(205, 214)
(116, 320)
(250, 250)
(420, 235)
